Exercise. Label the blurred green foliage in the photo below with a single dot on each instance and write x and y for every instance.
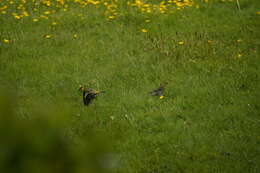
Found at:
(43, 144)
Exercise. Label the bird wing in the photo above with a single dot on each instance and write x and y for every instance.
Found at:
(84, 98)
(157, 91)
(89, 97)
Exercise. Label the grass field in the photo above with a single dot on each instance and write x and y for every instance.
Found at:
(208, 51)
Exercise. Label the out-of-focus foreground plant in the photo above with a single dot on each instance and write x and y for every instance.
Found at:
(41, 144)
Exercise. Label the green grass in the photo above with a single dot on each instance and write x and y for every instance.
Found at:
(209, 118)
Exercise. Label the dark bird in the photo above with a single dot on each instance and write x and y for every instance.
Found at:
(89, 95)
(159, 91)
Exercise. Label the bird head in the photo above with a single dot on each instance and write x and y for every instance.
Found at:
(84, 89)
(81, 88)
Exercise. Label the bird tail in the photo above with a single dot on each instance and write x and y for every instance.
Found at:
(152, 93)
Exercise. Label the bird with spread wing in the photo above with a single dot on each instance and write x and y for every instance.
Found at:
(89, 94)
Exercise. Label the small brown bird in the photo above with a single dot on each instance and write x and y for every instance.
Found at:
(89, 94)
(159, 91)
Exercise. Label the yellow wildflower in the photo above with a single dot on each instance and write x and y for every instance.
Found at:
(54, 23)
(258, 12)
(148, 10)
(35, 20)
(239, 55)
(17, 17)
(4, 7)
(144, 30)
(161, 97)
(111, 17)
(47, 12)
(25, 13)
(181, 42)
(6, 41)
(75, 36)
(239, 40)
(44, 17)
(210, 41)
(147, 20)
(47, 36)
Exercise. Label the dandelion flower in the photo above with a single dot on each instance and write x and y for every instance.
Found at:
(4, 7)
(35, 20)
(75, 36)
(210, 41)
(47, 36)
(239, 55)
(6, 41)
(25, 13)
(161, 97)
(17, 17)
(144, 30)
(258, 12)
(44, 17)
(46, 12)
(54, 23)
(111, 17)
(147, 20)
(239, 40)
(181, 42)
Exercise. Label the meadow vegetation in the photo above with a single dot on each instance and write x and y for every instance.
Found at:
(207, 121)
